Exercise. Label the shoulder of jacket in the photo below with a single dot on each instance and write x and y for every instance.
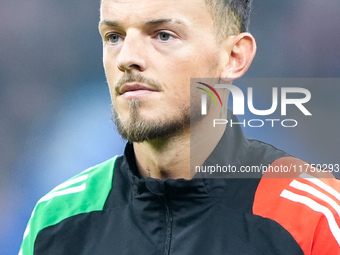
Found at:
(304, 200)
(89, 185)
(85, 192)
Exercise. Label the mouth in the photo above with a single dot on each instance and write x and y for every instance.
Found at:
(134, 90)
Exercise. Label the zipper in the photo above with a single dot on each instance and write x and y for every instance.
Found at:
(168, 227)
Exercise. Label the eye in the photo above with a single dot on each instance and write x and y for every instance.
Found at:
(164, 36)
(113, 38)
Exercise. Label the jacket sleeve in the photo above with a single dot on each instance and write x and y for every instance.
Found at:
(306, 204)
(83, 193)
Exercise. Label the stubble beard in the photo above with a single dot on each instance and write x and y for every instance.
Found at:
(138, 129)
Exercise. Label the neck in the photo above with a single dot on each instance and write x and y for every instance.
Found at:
(164, 158)
(175, 157)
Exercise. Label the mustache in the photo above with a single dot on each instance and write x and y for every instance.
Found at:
(133, 77)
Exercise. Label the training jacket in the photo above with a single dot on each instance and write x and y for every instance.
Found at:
(110, 210)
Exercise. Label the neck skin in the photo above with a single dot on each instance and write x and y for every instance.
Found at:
(176, 157)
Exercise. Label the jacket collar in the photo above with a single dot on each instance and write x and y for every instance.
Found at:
(231, 150)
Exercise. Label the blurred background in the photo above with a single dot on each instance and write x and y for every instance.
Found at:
(55, 106)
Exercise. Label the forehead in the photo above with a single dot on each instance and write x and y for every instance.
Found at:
(191, 11)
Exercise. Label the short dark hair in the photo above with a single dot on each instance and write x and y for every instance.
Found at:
(230, 16)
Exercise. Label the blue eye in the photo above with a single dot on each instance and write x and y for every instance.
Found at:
(163, 36)
(113, 38)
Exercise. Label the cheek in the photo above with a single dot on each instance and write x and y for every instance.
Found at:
(109, 65)
(111, 71)
(197, 65)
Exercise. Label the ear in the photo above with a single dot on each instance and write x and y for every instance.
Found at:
(241, 51)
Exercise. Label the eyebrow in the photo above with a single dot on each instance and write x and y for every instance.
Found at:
(109, 23)
(155, 22)
(162, 21)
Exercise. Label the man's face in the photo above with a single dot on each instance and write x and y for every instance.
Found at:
(151, 49)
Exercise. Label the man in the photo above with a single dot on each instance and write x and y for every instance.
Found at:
(145, 202)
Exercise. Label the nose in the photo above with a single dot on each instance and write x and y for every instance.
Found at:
(131, 55)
